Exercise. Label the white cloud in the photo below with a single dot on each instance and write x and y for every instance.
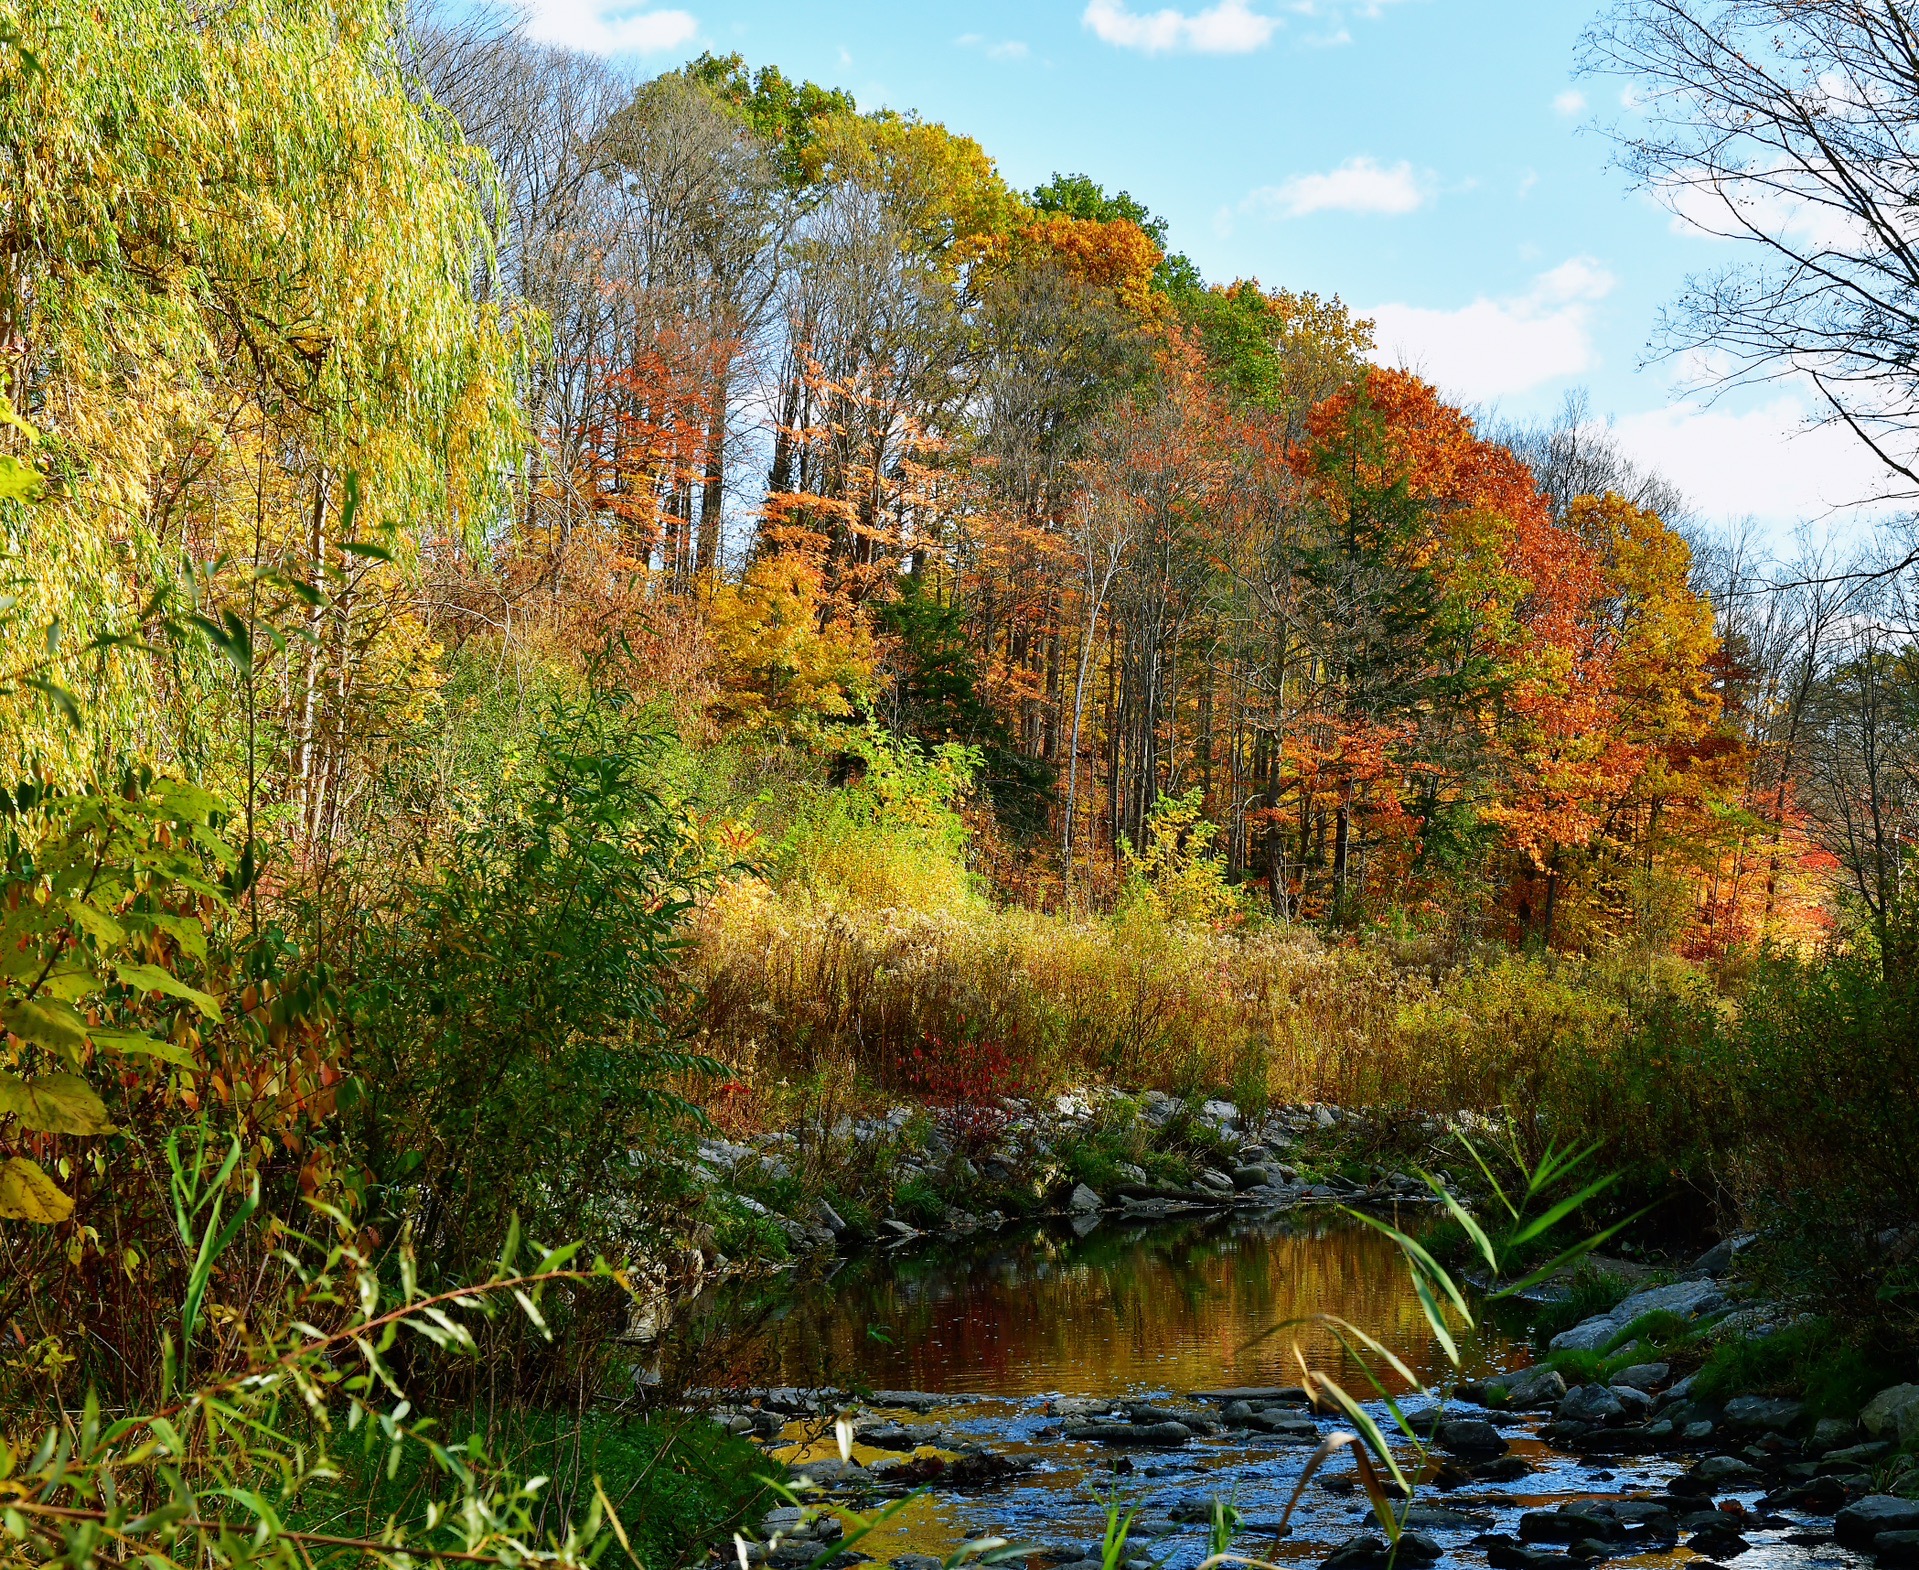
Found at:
(1359, 185)
(1010, 49)
(608, 29)
(1230, 27)
(1766, 462)
(1494, 348)
(1570, 102)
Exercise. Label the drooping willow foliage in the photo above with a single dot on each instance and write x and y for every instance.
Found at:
(238, 301)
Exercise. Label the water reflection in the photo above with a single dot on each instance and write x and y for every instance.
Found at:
(1171, 1306)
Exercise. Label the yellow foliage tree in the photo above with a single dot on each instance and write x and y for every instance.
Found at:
(779, 667)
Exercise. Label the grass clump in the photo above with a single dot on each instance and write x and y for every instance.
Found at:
(1813, 1360)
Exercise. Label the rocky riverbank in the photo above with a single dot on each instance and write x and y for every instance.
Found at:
(911, 1172)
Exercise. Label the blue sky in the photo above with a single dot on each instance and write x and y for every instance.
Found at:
(1435, 163)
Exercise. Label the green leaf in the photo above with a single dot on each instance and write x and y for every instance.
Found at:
(1563, 1209)
(1460, 1214)
(53, 1104)
(155, 978)
(1422, 1263)
(95, 923)
(48, 1023)
(367, 549)
(136, 1044)
(28, 1194)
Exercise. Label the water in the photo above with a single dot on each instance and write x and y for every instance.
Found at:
(1016, 1320)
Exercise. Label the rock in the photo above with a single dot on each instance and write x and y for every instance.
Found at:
(1533, 1387)
(1636, 1402)
(1589, 1335)
(1219, 1112)
(1642, 1376)
(1717, 1471)
(1858, 1457)
(1688, 1299)
(1817, 1496)
(829, 1218)
(1084, 1199)
(1718, 1541)
(1286, 1425)
(1857, 1525)
(915, 1562)
(1471, 1437)
(1367, 1551)
(1504, 1553)
(1564, 1526)
(1893, 1414)
(1764, 1414)
(1217, 1181)
(1591, 1404)
(1503, 1469)
(1896, 1550)
(1147, 1434)
(1833, 1433)
(1717, 1260)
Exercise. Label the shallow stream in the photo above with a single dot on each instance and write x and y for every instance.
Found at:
(1014, 1326)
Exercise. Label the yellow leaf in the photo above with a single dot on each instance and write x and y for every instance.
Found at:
(53, 1104)
(28, 1194)
(46, 1024)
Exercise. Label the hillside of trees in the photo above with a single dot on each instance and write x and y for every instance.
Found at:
(545, 609)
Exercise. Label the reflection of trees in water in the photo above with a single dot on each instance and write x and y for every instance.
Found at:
(1172, 1304)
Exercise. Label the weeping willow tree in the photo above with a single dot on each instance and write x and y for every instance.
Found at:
(237, 318)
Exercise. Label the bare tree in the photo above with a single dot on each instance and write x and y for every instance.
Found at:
(1791, 125)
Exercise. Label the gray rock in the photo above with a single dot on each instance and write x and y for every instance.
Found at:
(1636, 1401)
(1471, 1437)
(1859, 1455)
(1858, 1524)
(1688, 1299)
(1764, 1414)
(1591, 1404)
(1717, 1260)
(1896, 1550)
(1589, 1335)
(1695, 1432)
(1642, 1376)
(1833, 1433)
(829, 1218)
(1893, 1413)
(1716, 1471)
(1084, 1199)
(1148, 1434)
(915, 1562)
(1219, 1112)
(1534, 1387)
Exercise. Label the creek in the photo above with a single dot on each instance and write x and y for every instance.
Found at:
(1014, 1330)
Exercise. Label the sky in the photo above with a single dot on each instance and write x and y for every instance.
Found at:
(1437, 164)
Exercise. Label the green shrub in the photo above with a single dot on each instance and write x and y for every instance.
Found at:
(1812, 1360)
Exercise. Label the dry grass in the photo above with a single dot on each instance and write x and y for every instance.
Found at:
(804, 984)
